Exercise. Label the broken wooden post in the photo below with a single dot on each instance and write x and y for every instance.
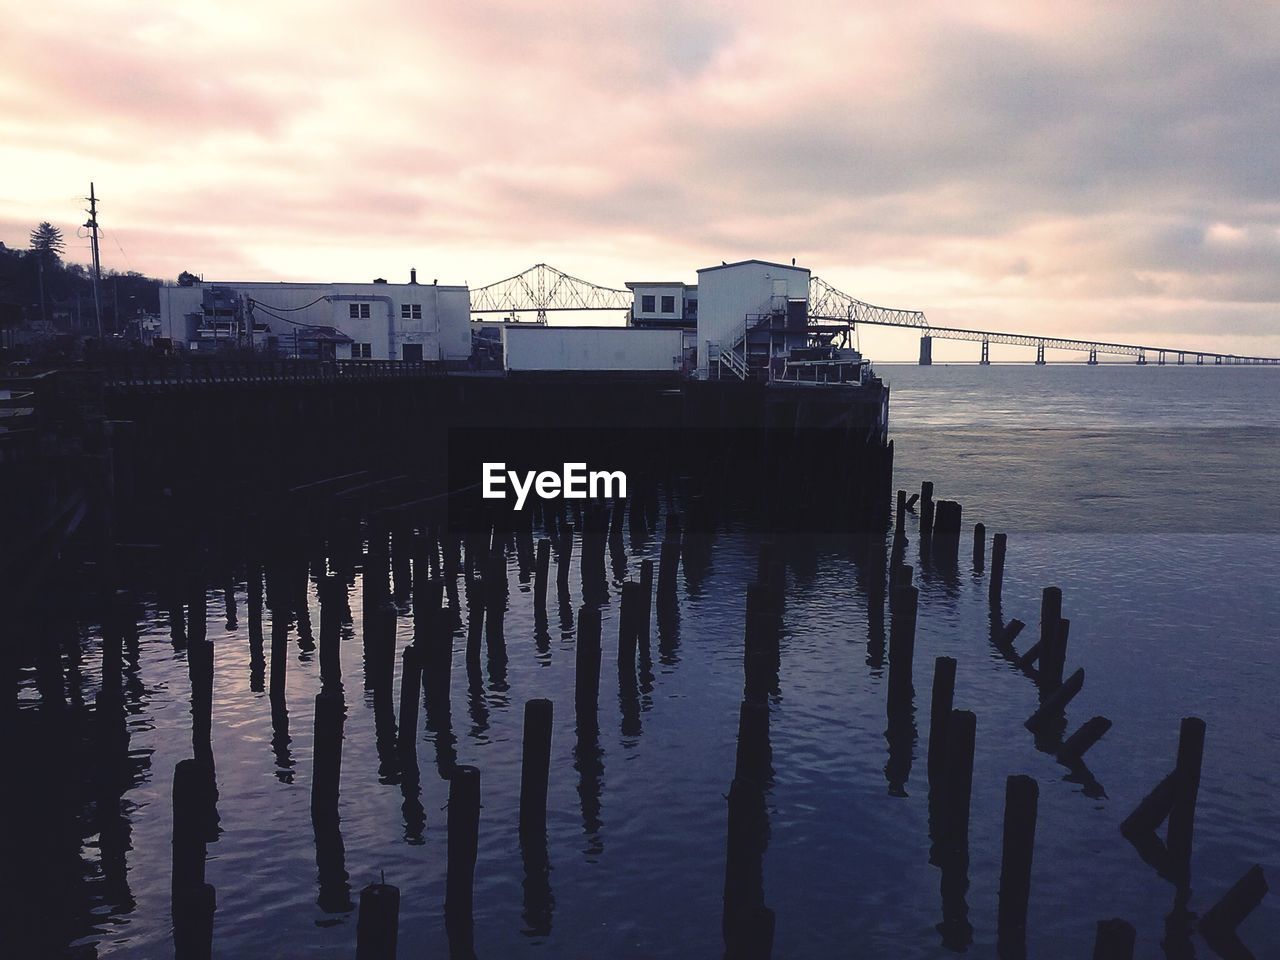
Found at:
(566, 555)
(1009, 633)
(926, 511)
(377, 925)
(900, 515)
(463, 832)
(958, 774)
(979, 546)
(1021, 799)
(1050, 614)
(999, 544)
(410, 694)
(586, 690)
(944, 684)
(1185, 790)
(534, 767)
(902, 639)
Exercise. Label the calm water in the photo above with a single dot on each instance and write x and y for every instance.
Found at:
(1148, 495)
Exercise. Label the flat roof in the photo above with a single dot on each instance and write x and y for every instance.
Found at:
(767, 263)
(632, 284)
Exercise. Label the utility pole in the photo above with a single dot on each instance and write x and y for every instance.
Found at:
(92, 224)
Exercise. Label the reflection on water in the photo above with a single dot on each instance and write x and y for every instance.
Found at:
(707, 803)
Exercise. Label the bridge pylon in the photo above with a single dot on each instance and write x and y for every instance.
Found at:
(986, 353)
(1040, 354)
(1093, 356)
(926, 351)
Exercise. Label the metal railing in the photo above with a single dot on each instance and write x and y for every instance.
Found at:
(183, 372)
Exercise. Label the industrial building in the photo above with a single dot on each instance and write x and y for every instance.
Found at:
(326, 321)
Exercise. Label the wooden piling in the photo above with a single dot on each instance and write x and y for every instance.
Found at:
(1021, 799)
(958, 774)
(378, 922)
(902, 638)
(627, 633)
(326, 776)
(1185, 790)
(410, 695)
(979, 546)
(944, 684)
(1050, 615)
(926, 511)
(566, 555)
(463, 832)
(1009, 633)
(999, 544)
(535, 767)
(1115, 940)
(586, 689)
(900, 514)
(753, 757)
(541, 566)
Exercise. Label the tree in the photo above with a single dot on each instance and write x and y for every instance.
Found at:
(187, 279)
(47, 245)
(47, 242)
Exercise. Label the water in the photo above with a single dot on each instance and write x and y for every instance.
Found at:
(1165, 551)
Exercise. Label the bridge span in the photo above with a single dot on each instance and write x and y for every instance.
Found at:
(543, 289)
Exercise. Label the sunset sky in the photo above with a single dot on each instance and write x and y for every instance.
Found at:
(1085, 169)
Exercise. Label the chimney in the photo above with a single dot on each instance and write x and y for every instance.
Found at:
(413, 274)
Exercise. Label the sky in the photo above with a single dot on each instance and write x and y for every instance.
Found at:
(1102, 170)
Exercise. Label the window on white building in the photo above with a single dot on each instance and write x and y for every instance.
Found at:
(359, 311)
(646, 303)
(668, 304)
(361, 351)
(410, 311)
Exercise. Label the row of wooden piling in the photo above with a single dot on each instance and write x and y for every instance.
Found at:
(1173, 800)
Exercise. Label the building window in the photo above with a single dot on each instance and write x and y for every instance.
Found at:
(361, 351)
(359, 311)
(668, 304)
(410, 311)
(691, 308)
(646, 303)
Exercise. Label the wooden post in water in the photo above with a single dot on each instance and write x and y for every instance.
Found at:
(979, 546)
(958, 774)
(586, 688)
(541, 566)
(1021, 799)
(902, 639)
(1186, 789)
(410, 695)
(627, 634)
(377, 925)
(999, 544)
(463, 831)
(566, 555)
(534, 767)
(900, 515)
(1050, 615)
(926, 511)
(944, 685)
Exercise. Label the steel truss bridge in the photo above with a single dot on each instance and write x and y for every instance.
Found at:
(543, 289)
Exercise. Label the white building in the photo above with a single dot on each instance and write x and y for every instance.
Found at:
(748, 315)
(528, 348)
(374, 321)
(663, 304)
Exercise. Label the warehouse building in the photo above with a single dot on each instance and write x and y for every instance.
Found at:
(369, 321)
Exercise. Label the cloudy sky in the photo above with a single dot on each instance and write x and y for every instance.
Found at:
(1079, 169)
